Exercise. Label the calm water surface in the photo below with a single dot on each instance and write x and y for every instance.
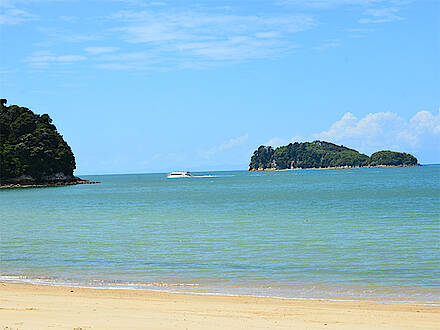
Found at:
(352, 234)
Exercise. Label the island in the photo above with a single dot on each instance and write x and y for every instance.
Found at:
(321, 154)
(32, 152)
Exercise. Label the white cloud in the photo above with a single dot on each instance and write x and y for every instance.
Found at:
(371, 126)
(43, 59)
(358, 32)
(100, 50)
(387, 130)
(377, 11)
(425, 122)
(277, 141)
(128, 61)
(226, 145)
(419, 135)
(11, 16)
(114, 66)
(268, 34)
(126, 57)
(381, 15)
(325, 3)
(233, 142)
(331, 43)
(147, 26)
(322, 4)
(193, 35)
(236, 48)
(201, 35)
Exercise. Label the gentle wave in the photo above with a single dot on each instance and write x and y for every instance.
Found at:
(404, 295)
(204, 176)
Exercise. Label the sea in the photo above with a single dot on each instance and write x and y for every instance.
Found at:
(343, 234)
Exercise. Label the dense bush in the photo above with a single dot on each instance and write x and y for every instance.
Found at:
(387, 157)
(321, 154)
(31, 146)
(262, 158)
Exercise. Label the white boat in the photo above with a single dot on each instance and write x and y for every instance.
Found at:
(173, 175)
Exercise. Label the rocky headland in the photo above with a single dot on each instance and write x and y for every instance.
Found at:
(32, 152)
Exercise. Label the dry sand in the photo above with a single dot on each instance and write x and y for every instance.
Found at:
(24, 306)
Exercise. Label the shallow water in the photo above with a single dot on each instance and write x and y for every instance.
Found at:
(352, 234)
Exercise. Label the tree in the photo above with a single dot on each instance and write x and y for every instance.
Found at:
(387, 157)
(31, 146)
(319, 154)
(261, 158)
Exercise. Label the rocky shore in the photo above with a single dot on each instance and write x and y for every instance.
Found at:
(28, 184)
(330, 168)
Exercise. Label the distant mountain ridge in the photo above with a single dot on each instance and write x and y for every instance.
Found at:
(322, 154)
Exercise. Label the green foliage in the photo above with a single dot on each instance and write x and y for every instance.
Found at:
(321, 154)
(387, 157)
(30, 145)
(261, 157)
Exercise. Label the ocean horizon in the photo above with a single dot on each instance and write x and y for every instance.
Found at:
(92, 175)
(357, 234)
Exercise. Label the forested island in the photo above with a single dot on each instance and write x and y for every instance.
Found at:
(32, 152)
(321, 154)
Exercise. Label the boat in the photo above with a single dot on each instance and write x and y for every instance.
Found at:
(173, 175)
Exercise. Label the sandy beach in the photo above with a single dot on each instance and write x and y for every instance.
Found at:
(24, 306)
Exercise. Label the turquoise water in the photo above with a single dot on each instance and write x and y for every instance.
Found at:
(344, 234)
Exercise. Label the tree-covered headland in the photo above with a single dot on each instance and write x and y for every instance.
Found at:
(31, 149)
(321, 154)
(392, 158)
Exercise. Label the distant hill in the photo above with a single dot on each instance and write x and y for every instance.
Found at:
(31, 149)
(321, 154)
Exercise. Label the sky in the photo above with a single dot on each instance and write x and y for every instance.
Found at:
(154, 86)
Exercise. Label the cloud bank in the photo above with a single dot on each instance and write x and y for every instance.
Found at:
(419, 135)
(385, 130)
(186, 35)
(211, 35)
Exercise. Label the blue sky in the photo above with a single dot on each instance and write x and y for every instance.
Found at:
(153, 86)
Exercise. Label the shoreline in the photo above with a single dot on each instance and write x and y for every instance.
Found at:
(331, 168)
(29, 306)
(51, 184)
(391, 294)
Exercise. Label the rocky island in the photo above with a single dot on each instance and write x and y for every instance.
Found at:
(321, 154)
(32, 152)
